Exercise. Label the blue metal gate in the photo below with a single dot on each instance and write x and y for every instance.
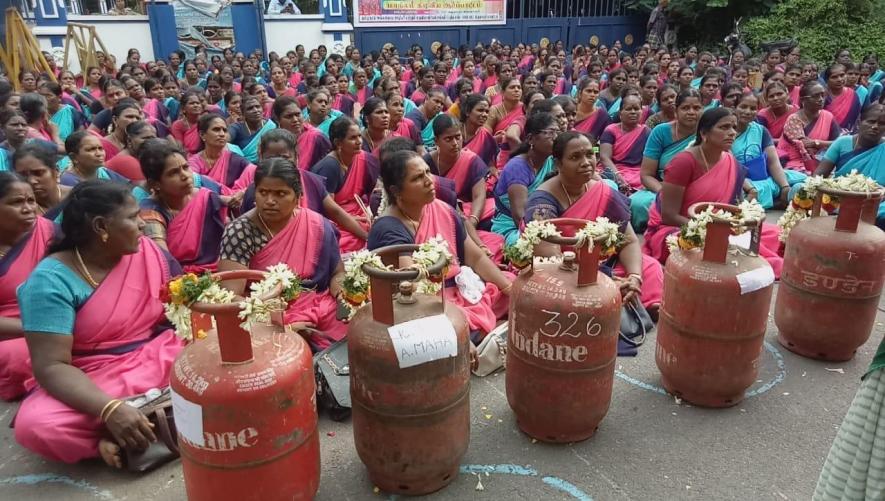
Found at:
(528, 21)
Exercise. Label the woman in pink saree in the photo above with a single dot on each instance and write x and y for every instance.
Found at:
(707, 172)
(622, 144)
(507, 120)
(415, 216)
(23, 243)
(278, 230)
(350, 173)
(808, 132)
(774, 116)
(216, 160)
(842, 101)
(185, 220)
(575, 193)
(95, 327)
(478, 139)
(591, 119)
(184, 130)
(469, 174)
(313, 145)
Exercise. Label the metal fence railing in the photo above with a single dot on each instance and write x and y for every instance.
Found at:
(518, 9)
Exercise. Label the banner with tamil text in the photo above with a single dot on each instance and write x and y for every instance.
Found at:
(368, 13)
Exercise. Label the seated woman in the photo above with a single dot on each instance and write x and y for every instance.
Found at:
(33, 106)
(279, 230)
(375, 119)
(87, 160)
(65, 116)
(622, 144)
(318, 113)
(185, 220)
(184, 130)
(841, 100)
(350, 173)
(313, 145)
(664, 143)
(575, 193)
(36, 164)
(774, 116)
(424, 115)
(414, 216)
(399, 125)
(477, 138)
(864, 152)
(665, 100)
(217, 161)
(126, 163)
(610, 97)
(808, 132)
(123, 114)
(95, 328)
(23, 242)
(280, 143)
(707, 172)
(15, 130)
(590, 119)
(754, 149)
(530, 166)
(469, 174)
(247, 135)
(507, 120)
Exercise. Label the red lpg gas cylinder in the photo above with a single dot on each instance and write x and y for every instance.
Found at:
(245, 410)
(834, 268)
(410, 385)
(563, 341)
(713, 317)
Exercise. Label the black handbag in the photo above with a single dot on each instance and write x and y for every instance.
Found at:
(332, 371)
(636, 323)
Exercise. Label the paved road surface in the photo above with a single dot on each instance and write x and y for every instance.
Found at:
(649, 447)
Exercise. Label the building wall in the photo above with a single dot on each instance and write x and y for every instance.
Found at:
(283, 33)
(118, 33)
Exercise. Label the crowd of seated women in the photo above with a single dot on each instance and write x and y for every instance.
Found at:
(121, 178)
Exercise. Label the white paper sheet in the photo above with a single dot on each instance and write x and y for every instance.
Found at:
(754, 280)
(423, 340)
(188, 419)
(743, 240)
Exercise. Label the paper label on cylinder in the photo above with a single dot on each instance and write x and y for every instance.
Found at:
(743, 240)
(754, 280)
(423, 340)
(188, 419)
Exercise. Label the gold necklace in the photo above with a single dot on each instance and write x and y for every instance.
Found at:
(84, 269)
(567, 196)
(706, 162)
(266, 228)
(415, 224)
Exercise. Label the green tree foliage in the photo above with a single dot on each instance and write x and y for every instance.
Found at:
(705, 22)
(823, 26)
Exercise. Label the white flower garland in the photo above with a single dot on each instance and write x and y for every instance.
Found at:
(693, 234)
(356, 281)
(253, 310)
(601, 231)
(800, 207)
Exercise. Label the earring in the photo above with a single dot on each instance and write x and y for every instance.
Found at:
(104, 238)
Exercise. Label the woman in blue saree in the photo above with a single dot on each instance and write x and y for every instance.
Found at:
(665, 142)
(424, 115)
(64, 116)
(529, 166)
(247, 135)
(318, 111)
(755, 150)
(863, 152)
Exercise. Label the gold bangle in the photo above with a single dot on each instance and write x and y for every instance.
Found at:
(116, 405)
(638, 277)
(105, 408)
(508, 288)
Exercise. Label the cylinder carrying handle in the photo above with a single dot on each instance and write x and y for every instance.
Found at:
(854, 207)
(234, 342)
(587, 254)
(381, 280)
(718, 230)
